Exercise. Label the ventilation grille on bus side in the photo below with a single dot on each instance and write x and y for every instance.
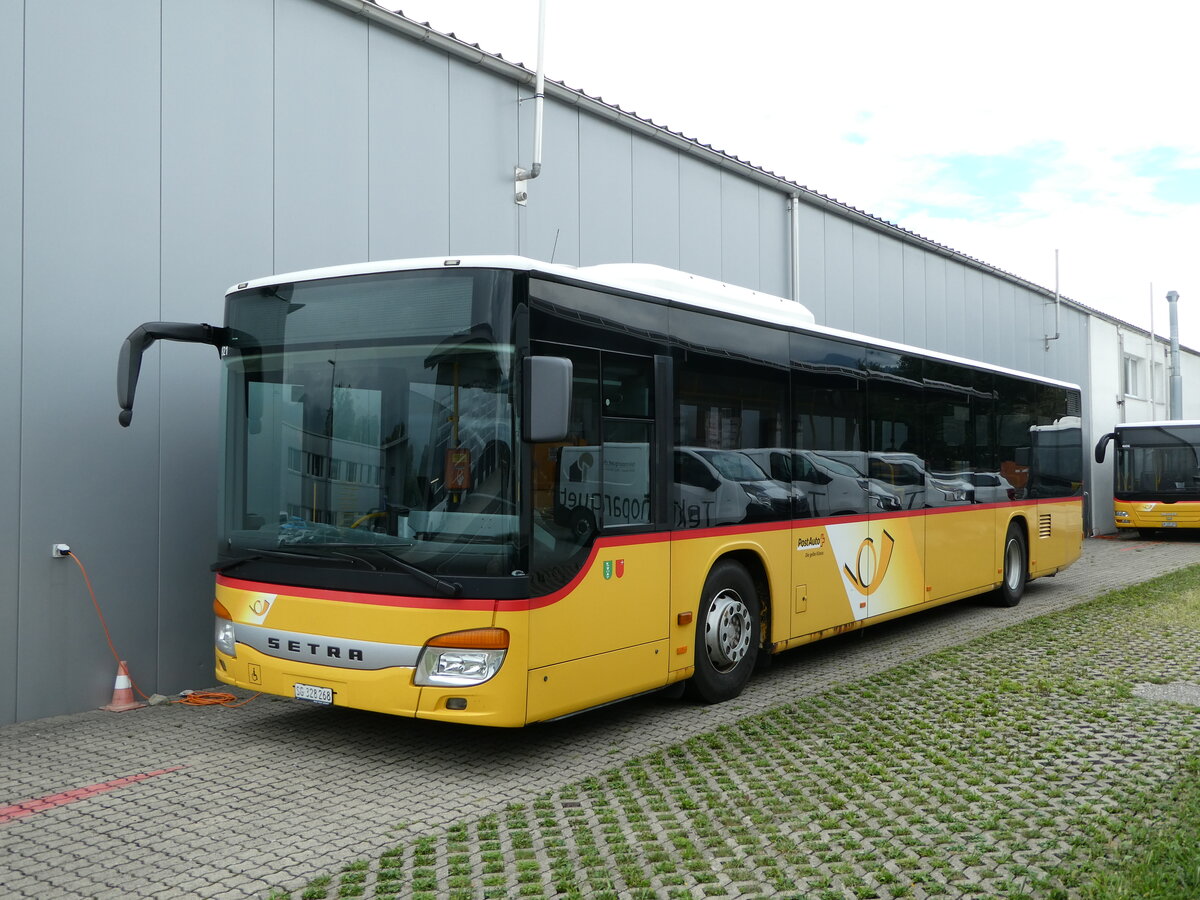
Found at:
(1044, 529)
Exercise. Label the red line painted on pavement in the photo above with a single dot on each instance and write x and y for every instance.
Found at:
(41, 804)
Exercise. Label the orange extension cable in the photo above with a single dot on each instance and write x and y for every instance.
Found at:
(192, 698)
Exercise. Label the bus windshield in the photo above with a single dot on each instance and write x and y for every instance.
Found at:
(1157, 462)
(370, 426)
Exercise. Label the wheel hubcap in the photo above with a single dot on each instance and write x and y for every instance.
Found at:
(727, 630)
(1012, 565)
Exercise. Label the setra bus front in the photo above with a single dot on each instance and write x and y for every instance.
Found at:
(372, 549)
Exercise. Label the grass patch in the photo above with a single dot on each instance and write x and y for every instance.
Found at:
(1019, 765)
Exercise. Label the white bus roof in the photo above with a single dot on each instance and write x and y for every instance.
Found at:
(1162, 424)
(647, 280)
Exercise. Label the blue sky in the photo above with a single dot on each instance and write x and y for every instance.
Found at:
(1004, 131)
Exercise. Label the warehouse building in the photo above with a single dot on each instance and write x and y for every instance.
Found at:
(152, 154)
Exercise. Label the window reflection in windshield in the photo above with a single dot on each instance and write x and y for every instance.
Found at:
(368, 451)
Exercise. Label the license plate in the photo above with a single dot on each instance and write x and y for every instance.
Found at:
(314, 694)
(1169, 524)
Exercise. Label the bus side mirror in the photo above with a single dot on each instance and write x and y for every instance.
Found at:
(1102, 446)
(129, 363)
(547, 390)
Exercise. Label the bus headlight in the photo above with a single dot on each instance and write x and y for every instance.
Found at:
(462, 657)
(226, 636)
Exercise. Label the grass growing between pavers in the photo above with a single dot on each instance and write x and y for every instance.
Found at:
(1019, 765)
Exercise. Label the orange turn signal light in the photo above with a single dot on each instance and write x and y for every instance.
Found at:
(684, 618)
(472, 639)
(220, 610)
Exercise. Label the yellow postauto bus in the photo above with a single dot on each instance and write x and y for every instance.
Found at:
(497, 491)
(1156, 475)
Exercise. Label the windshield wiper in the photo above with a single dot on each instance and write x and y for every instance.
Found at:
(449, 588)
(264, 553)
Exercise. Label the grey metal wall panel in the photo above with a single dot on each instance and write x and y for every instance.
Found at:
(91, 268)
(699, 212)
(12, 82)
(1018, 320)
(1006, 332)
(483, 155)
(867, 318)
(914, 296)
(408, 148)
(605, 179)
(217, 218)
(811, 253)
(839, 274)
(551, 223)
(956, 313)
(891, 286)
(739, 230)
(774, 264)
(320, 136)
(936, 332)
(991, 317)
(973, 341)
(655, 195)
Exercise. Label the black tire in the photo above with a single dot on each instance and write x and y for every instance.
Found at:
(1015, 567)
(727, 634)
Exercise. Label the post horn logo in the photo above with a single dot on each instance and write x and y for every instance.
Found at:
(875, 568)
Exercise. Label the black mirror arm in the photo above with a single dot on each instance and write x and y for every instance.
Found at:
(129, 365)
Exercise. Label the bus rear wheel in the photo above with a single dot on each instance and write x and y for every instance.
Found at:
(1016, 567)
(727, 634)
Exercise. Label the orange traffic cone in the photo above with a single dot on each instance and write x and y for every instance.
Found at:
(122, 698)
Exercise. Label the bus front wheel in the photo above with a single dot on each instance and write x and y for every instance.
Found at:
(727, 634)
(1016, 567)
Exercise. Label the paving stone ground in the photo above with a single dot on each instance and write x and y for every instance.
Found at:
(276, 793)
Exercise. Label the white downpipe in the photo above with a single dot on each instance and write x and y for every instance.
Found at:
(1176, 392)
(1150, 355)
(1123, 390)
(1057, 304)
(539, 100)
(794, 244)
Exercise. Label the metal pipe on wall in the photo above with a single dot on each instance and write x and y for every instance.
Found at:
(539, 99)
(1176, 374)
(794, 244)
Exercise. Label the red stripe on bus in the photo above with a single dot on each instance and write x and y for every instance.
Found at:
(41, 804)
(606, 543)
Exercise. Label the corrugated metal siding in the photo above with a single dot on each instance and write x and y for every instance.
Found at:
(91, 236)
(604, 216)
(217, 201)
(12, 29)
(655, 190)
(408, 149)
